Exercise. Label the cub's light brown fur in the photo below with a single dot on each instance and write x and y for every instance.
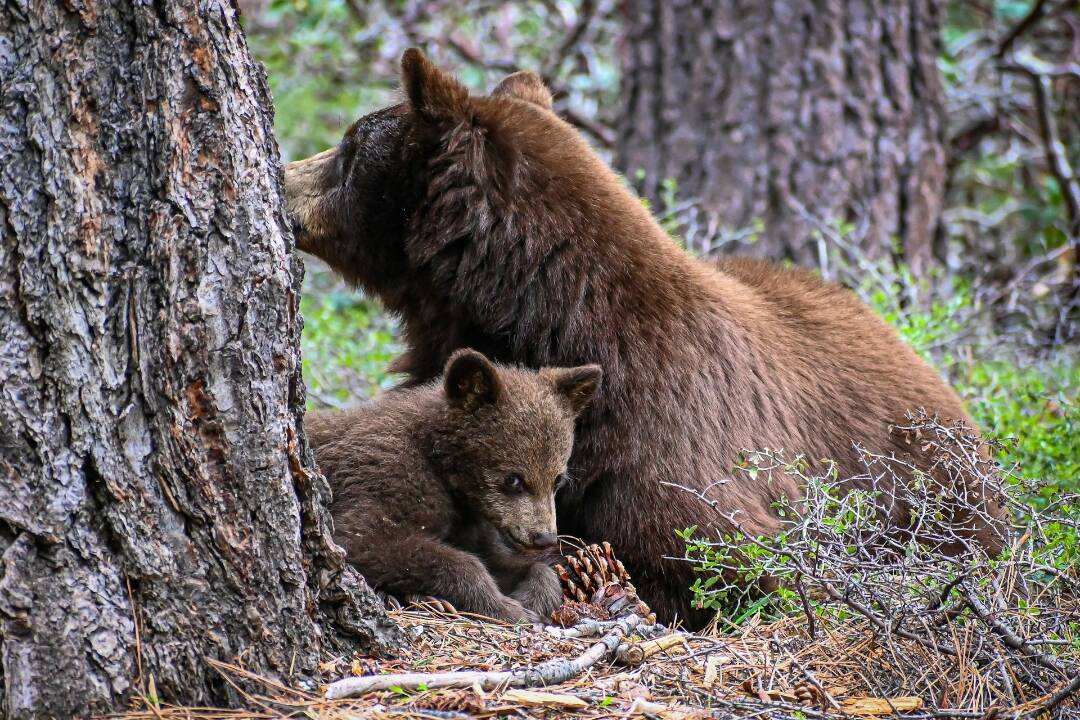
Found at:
(489, 222)
(421, 498)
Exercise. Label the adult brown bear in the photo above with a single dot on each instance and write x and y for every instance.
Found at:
(488, 222)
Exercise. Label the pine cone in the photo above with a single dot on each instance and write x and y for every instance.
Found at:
(594, 575)
(572, 612)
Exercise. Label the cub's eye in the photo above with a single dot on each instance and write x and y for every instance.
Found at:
(513, 484)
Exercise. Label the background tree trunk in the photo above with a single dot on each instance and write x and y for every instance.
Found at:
(774, 110)
(159, 502)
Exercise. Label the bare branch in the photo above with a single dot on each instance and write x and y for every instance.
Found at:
(1033, 16)
(598, 131)
(1056, 157)
(572, 40)
(1069, 690)
(552, 672)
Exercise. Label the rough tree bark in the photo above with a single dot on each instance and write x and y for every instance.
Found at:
(771, 110)
(159, 502)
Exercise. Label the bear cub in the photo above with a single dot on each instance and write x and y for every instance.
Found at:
(448, 490)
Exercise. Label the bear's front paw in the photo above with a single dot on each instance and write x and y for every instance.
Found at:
(540, 591)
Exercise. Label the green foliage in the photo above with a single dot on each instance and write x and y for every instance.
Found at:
(1034, 409)
(317, 55)
(930, 326)
(1028, 403)
(733, 569)
(346, 346)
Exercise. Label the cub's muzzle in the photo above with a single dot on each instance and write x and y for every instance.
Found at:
(523, 539)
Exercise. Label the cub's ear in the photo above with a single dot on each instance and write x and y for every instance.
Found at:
(433, 94)
(470, 381)
(576, 385)
(524, 85)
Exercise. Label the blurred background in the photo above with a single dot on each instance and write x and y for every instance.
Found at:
(922, 153)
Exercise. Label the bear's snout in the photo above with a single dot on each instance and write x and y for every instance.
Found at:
(306, 183)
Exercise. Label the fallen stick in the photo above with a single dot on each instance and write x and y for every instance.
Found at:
(551, 672)
(1044, 709)
(594, 628)
(633, 654)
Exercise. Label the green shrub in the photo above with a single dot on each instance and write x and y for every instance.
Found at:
(1033, 410)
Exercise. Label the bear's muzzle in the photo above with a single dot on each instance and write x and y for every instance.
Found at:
(307, 182)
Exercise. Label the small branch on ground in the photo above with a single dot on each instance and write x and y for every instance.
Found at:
(633, 654)
(1069, 690)
(552, 672)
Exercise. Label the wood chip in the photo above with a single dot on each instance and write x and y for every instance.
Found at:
(641, 706)
(543, 699)
(712, 668)
(652, 647)
(880, 706)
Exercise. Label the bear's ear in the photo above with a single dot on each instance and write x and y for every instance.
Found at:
(576, 385)
(433, 94)
(470, 381)
(524, 85)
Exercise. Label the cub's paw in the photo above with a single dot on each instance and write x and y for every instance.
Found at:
(428, 602)
(540, 591)
(513, 611)
(390, 601)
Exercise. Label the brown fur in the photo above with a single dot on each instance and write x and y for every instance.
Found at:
(489, 222)
(419, 479)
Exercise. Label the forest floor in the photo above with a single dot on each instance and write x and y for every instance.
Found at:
(760, 670)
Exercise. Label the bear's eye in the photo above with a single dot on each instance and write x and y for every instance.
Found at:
(513, 484)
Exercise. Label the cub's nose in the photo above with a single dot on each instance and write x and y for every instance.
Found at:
(544, 540)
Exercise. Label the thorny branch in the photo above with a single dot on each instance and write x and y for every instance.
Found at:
(934, 616)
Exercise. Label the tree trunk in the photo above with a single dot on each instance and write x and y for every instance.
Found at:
(159, 501)
(786, 110)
